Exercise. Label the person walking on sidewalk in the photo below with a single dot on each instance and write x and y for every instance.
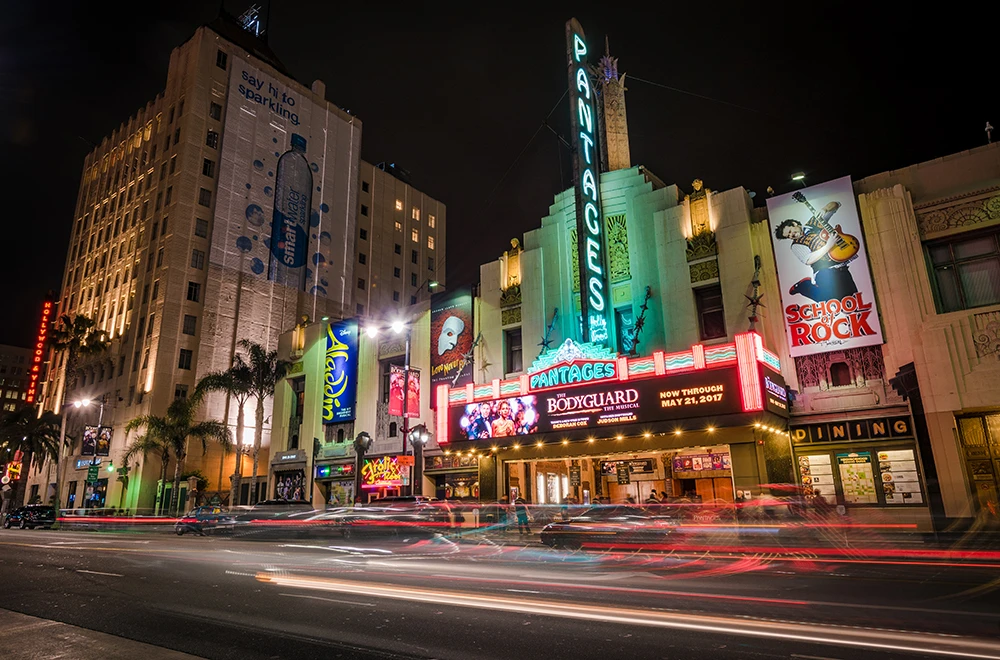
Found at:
(521, 511)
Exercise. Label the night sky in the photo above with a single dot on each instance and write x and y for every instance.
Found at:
(742, 96)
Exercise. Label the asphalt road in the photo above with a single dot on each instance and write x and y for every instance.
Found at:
(215, 597)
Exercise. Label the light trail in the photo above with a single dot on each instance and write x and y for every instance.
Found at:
(869, 638)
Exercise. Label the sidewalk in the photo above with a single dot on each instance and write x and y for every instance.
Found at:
(24, 637)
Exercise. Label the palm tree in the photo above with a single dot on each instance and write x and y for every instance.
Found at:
(175, 429)
(265, 372)
(235, 382)
(143, 445)
(75, 337)
(36, 437)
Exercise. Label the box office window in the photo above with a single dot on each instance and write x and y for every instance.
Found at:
(966, 271)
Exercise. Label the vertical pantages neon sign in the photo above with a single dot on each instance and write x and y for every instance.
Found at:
(589, 225)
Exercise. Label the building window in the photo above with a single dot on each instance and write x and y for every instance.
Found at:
(220, 59)
(399, 205)
(413, 300)
(396, 272)
(201, 228)
(392, 429)
(145, 294)
(430, 242)
(413, 256)
(397, 248)
(361, 283)
(364, 186)
(156, 289)
(177, 136)
(180, 391)
(212, 140)
(184, 362)
(362, 258)
(512, 344)
(215, 111)
(840, 374)
(966, 271)
(197, 259)
(208, 168)
(711, 316)
(159, 258)
(360, 309)
(205, 197)
(173, 164)
(364, 210)
(189, 324)
(149, 326)
(363, 234)
(413, 279)
(395, 296)
(431, 221)
(168, 196)
(416, 214)
(194, 291)
(399, 226)
(414, 235)
(430, 263)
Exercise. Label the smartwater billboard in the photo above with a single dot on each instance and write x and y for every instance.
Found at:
(826, 287)
(340, 383)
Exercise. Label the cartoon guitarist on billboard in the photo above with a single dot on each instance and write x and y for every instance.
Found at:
(825, 249)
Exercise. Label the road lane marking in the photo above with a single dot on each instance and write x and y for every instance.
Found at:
(329, 600)
(814, 633)
(80, 570)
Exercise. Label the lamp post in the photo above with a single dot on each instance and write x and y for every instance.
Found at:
(100, 421)
(362, 444)
(418, 437)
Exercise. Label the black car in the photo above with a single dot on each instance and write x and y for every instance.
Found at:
(30, 517)
(209, 518)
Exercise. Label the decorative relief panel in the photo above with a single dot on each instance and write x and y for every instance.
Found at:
(866, 364)
(962, 214)
(510, 296)
(702, 245)
(706, 270)
(510, 316)
(574, 257)
(618, 263)
(986, 333)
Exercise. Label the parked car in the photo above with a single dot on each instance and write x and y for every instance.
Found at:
(30, 517)
(204, 519)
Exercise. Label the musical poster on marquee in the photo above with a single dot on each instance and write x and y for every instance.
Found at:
(827, 294)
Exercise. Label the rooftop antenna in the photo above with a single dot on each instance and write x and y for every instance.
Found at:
(989, 133)
(253, 22)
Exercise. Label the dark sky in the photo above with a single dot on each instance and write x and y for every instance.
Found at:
(829, 89)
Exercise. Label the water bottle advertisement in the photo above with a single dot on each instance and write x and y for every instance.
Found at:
(289, 169)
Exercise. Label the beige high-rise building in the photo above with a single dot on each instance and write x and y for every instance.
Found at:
(400, 243)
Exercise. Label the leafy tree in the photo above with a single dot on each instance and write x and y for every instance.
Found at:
(265, 372)
(36, 437)
(145, 444)
(235, 382)
(176, 428)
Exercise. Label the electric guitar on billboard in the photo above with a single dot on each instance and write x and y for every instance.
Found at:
(846, 247)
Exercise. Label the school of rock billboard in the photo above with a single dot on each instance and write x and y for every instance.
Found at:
(826, 287)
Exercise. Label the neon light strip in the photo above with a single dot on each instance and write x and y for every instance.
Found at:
(441, 421)
(717, 354)
(642, 367)
(470, 393)
(698, 353)
(746, 361)
(675, 361)
(658, 360)
(484, 391)
(510, 387)
(525, 384)
(496, 388)
(622, 368)
(770, 359)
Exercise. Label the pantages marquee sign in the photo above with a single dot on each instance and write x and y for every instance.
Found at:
(589, 223)
(580, 387)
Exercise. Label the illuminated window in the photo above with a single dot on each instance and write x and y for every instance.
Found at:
(220, 59)
(430, 242)
(399, 226)
(711, 315)
(414, 235)
(416, 213)
(399, 205)
(431, 221)
(184, 361)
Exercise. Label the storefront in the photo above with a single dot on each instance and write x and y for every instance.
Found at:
(455, 476)
(980, 438)
(288, 470)
(336, 482)
(384, 476)
(708, 424)
(871, 466)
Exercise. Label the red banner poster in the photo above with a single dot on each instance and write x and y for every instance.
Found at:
(413, 394)
(396, 390)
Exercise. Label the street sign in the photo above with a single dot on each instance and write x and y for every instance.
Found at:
(574, 475)
(92, 472)
(623, 473)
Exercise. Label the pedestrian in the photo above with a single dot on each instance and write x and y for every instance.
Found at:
(521, 511)
(652, 499)
(629, 500)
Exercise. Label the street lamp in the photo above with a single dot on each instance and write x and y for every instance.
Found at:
(418, 437)
(362, 444)
(398, 327)
(83, 403)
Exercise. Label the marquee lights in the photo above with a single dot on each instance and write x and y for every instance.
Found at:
(589, 225)
(37, 354)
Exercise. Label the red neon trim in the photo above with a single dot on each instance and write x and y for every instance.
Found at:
(441, 421)
(746, 363)
(660, 365)
(699, 356)
(470, 393)
(622, 368)
(525, 384)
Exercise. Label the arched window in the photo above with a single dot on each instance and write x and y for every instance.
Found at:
(840, 374)
(392, 429)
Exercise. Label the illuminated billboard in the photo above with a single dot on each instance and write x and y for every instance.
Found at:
(382, 472)
(38, 353)
(827, 294)
(340, 384)
(451, 338)
(99, 436)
